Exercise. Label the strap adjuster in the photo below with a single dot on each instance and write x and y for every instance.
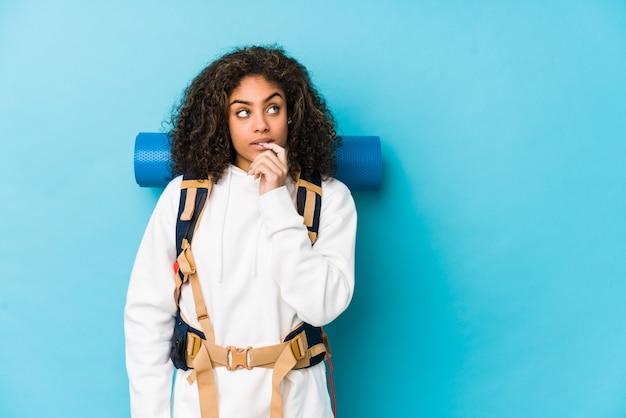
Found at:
(297, 347)
(193, 345)
(238, 358)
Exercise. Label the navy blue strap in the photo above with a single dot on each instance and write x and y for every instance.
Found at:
(301, 195)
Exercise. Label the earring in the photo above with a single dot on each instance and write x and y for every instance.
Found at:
(289, 122)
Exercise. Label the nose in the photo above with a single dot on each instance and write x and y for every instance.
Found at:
(260, 124)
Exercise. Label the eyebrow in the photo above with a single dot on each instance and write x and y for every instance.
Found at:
(270, 97)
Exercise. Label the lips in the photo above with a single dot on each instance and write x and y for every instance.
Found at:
(260, 142)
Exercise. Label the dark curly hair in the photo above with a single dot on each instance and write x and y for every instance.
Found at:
(201, 144)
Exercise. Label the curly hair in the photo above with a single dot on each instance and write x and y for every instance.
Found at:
(201, 144)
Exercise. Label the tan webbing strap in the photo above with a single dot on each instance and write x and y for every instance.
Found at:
(202, 313)
(184, 261)
(203, 367)
(266, 356)
(285, 363)
(204, 373)
(309, 211)
(309, 206)
(201, 310)
(284, 357)
(186, 265)
(190, 204)
(196, 184)
(280, 356)
(207, 391)
(256, 357)
(310, 186)
(192, 187)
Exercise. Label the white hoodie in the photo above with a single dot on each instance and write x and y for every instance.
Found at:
(260, 277)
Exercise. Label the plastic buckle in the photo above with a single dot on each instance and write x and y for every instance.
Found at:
(296, 348)
(238, 358)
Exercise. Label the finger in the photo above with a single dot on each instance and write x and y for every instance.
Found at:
(280, 152)
(268, 156)
(267, 166)
(270, 170)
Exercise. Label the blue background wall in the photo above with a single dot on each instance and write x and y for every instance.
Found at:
(491, 265)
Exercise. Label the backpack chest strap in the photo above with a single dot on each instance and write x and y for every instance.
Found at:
(296, 353)
(305, 341)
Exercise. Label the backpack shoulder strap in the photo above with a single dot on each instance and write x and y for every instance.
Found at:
(309, 206)
(309, 201)
(194, 195)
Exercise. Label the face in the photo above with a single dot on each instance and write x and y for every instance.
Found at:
(257, 114)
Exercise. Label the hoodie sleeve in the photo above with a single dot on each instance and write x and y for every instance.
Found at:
(317, 281)
(150, 310)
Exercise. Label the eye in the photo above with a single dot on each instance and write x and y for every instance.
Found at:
(274, 109)
(243, 113)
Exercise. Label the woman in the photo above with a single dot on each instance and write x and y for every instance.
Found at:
(252, 122)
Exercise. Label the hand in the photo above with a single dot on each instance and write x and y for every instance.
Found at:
(270, 167)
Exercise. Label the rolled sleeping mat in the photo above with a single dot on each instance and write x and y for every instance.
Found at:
(358, 159)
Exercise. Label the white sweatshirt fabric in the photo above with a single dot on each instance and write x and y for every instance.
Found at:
(260, 277)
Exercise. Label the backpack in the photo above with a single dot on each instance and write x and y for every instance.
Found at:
(303, 347)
